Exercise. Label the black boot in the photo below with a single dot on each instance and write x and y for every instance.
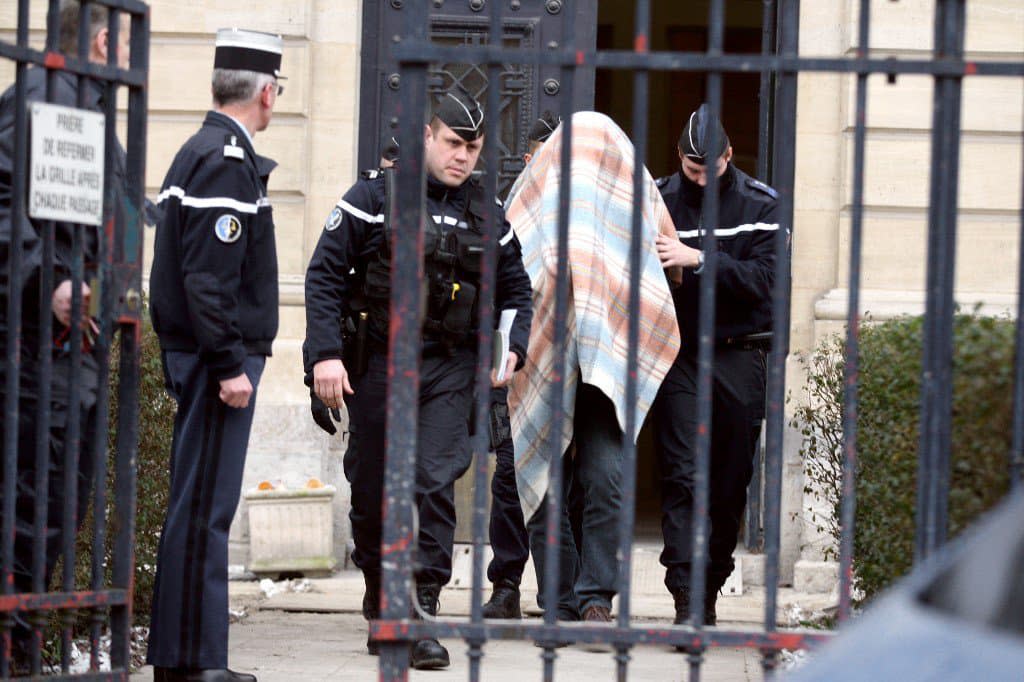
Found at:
(682, 600)
(504, 601)
(715, 584)
(428, 654)
(371, 609)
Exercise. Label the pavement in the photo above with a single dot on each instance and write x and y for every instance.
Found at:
(313, 630)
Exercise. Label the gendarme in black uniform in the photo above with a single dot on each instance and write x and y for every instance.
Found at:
(746, 229)
(349, 272)
(214, 305)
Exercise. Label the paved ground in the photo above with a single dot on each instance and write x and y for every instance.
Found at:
(318, 634)
(285, 647)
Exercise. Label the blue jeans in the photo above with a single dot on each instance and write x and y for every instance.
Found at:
(597, 475)
(569, 556)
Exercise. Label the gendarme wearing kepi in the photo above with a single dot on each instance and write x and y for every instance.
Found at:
(702, 130)
(462, 113)
(543, 127)
(242, 50)
(214, 303)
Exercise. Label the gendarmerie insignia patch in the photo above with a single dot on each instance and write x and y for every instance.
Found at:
(333, 220)
(228, 229)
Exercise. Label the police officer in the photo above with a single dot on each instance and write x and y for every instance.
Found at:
(64, 91)
(214, 306)
(747, 223)
(507, 530)
(348, 280)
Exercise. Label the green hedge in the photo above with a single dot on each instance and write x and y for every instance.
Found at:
(887, 438)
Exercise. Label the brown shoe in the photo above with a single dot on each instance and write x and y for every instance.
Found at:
(597, 614)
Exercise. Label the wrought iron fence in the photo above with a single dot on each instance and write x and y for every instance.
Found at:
(779, 65)
(106, 258)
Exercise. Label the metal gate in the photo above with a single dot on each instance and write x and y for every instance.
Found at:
(526, 88)
(779, 64)
(53, 372)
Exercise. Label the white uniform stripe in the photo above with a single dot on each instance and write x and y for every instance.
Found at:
(508, 237)
(731, 231)
(362, 215)
(211, 202)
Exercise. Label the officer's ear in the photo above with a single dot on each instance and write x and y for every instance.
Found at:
(728, 154)
(428, 134)
(98, 46)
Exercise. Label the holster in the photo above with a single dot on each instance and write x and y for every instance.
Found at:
(356, 352)
(499, 424)
(458, 318)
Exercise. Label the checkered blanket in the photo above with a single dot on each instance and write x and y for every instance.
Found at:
(600, 227)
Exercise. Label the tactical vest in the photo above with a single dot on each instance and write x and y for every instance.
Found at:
(451, 267)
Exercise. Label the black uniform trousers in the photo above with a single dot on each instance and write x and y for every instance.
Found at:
(189, 627)
(443, 455)
(738, 394)
(507, 529)
(25, 491)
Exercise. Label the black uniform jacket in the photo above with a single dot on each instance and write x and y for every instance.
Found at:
(747, 224)
(65, 93)
(351, 239)
(213, 287)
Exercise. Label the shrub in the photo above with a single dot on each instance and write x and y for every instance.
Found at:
(887, 435)
(156, 424)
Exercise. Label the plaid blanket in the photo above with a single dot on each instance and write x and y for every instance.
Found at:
(600, 227)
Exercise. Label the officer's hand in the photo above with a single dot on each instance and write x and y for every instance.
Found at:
(330, 382)
(235, 392)
(322, 414)
(673, 252)
(510, 368)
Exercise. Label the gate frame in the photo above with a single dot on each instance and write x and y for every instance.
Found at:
(120, 271)
(395, 630)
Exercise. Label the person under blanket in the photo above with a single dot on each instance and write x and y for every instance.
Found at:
(597, 355)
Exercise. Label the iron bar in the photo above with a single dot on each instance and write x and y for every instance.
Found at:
(937, 354)
(556, 500)
(1017, 444)
(127, 255)
(13, 331)
(765, 92)
(628, 459)
(58, 60)
(706, 228)
(399, 527)
(408, 52)
(660, 634)
(852, 366)
(62, 601)
(784, 178)
(485, 347)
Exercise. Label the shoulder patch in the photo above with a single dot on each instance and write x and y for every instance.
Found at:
(232, 150)
(661, 182)
(371, 174)
(228, 228)
(761, 187)
(334, 219)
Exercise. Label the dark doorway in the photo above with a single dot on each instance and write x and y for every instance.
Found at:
(677, 26)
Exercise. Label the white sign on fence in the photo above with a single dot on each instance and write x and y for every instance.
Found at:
(66, 170)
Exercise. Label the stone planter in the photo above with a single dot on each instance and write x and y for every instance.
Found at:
(290, 531)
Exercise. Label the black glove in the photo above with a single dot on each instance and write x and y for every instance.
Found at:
(322, 414)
